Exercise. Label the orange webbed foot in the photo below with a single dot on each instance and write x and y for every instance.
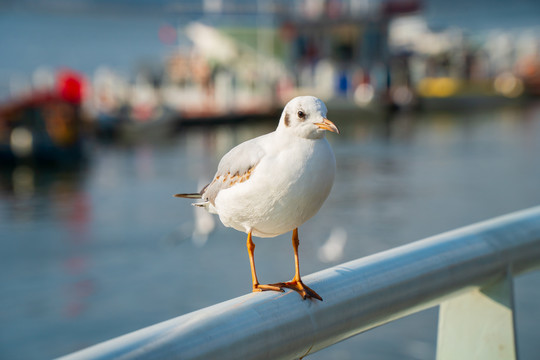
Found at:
(297, 285)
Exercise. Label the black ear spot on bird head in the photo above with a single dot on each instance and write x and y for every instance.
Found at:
(286, 120)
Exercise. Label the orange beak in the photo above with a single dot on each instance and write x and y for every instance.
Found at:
(328, 125)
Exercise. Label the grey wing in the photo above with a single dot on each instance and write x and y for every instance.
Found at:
(235, 167)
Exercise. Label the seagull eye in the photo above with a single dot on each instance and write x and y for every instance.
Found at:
(301, 114)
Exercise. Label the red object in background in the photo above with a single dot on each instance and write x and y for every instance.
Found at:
(70, 86)
(167, 34)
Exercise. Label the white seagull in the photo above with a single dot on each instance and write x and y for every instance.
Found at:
(272, 184)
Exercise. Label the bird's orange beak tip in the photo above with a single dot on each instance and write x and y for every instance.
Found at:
(328, 125)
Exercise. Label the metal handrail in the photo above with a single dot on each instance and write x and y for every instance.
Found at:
(358, 296)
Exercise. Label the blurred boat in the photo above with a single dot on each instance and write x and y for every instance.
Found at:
(44, 127)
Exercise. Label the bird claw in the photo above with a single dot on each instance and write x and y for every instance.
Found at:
(297, 285)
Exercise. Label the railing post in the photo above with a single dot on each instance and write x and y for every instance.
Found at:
(479, 324)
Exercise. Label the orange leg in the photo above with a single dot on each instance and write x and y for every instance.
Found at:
(256, 285)
(296, 283)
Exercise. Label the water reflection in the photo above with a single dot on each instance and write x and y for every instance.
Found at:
(32, 193)
(205, 223)
(332, 249)
(92, 253)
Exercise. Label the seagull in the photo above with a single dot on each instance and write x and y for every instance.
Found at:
(272, 184)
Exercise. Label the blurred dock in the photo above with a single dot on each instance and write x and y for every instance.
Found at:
(356, 56)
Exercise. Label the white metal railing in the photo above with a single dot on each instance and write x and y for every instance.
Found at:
(468, 272)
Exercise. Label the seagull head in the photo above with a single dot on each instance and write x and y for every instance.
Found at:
(305, 116)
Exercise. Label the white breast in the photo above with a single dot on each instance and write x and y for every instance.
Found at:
(287, 188)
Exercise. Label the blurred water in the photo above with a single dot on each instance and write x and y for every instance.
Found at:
(95, 253)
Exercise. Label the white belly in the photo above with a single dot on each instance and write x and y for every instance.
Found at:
(285, 190)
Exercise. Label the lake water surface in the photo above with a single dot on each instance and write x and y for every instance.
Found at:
(91, 254)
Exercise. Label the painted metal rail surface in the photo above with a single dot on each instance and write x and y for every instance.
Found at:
(467, 271)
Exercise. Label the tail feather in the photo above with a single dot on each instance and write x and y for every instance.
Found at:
(189, 196)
